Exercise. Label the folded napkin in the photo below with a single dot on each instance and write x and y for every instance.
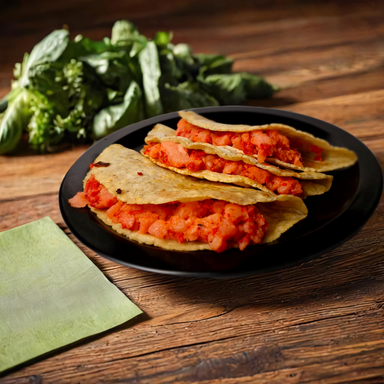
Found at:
(51, 294)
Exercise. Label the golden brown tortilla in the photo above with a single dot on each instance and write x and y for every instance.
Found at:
(314, 183)
(333, 157)
(142, 182)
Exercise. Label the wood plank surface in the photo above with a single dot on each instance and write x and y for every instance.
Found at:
(319, 322)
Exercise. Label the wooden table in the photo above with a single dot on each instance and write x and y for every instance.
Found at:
(317, 322)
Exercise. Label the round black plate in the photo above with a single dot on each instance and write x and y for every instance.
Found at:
(333, 217)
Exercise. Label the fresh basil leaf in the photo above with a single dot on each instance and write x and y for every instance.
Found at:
(236, 88)
(184, 96)
(258, 88)
(150, 68)
(135, 69)
(112, 94)
(100, 62)
(208, 59)
(125, 36)
(221, 66)
(168, 64)
(13, 121)
(82, 46)
(184, 54)
(3, 104)
(186, 61)
(48, 50)
(117, 116)
(168, 79)
(15, 91)
(112, 69)
(122, 32)
(9, 97)
(91, 46)
(227, 89)
(137, 46)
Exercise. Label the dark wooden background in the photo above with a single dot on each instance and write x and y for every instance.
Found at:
(320, 322)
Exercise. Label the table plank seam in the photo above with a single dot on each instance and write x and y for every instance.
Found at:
(19, 198)
(351, 315)
(253, 54)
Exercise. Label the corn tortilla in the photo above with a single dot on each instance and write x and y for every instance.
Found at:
(142, 182)
(333, 157)
(314, 183)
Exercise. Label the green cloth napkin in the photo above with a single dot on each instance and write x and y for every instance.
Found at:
(51, 294)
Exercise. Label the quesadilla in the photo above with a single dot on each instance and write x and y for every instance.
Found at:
(228, 165)
(277, 144)
(156, 206)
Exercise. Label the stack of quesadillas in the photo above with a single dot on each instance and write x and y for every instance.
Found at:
(210, 185)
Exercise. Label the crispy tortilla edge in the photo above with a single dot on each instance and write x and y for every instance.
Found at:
(333, 157)
(171, 245)
(313, 183)
(291, 210)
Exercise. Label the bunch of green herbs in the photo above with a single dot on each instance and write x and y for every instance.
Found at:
(82, 90)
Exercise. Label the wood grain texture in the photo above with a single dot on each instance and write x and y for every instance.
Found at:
(319, 322)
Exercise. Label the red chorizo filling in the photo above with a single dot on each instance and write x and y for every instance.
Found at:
(175, 155)
(221, 224)
(264, 144)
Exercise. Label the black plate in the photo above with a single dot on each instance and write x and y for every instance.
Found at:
(333, 217)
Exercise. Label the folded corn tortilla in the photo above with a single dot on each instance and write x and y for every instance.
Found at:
(140, 181)
(333, 157)
(314, 183)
